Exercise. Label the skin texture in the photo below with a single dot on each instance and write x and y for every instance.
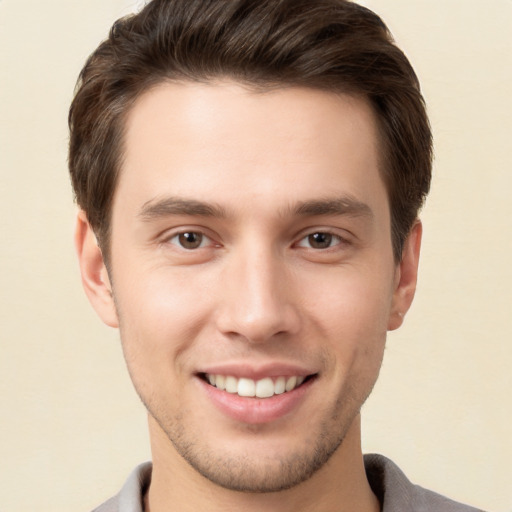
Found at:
(253, 176)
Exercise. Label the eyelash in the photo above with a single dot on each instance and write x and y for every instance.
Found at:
(177, 240)
(203, 238)
(331, 237)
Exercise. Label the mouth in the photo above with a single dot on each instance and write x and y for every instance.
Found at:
(266, 387)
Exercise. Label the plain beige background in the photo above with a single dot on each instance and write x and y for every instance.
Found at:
(71, 427)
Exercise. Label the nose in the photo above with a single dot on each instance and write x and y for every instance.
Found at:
(258, 297)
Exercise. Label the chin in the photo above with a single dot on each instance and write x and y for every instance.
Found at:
(264, 466)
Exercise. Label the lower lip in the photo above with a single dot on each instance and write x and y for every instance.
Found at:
(256, 410)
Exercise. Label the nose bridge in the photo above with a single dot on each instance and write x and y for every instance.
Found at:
(257, 300)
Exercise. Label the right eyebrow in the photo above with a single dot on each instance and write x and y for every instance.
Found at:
(158, 208)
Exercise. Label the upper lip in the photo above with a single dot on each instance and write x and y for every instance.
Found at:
(251, 371)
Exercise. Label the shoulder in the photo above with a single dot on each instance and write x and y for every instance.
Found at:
(111, 505)
(397, 493)
(131, 496)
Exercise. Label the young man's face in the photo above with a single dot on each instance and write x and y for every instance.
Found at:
(251, 247)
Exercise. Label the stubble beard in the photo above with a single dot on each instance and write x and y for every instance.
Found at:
(243, 473)
(258, 475)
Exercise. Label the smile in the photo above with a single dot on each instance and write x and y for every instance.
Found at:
(263, 388)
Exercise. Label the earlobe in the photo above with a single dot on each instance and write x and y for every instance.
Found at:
(94, 274)
(406, 277)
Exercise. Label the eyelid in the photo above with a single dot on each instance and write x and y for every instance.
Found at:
(339, 240)
(203, 243)
(170, 234)
(343, 238)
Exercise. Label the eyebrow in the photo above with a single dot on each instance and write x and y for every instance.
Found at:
(154, 209)
(345, 205)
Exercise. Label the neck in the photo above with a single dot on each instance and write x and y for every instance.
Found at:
(340, 485)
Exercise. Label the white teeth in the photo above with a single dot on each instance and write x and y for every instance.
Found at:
(231, 385)
(280, 386)
(291, 383)
(263, 388)
(246, 387)
(220, 381)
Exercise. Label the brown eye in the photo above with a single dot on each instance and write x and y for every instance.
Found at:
(320, 240)
(190, 240)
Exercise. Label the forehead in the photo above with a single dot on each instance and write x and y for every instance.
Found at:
(225, 142)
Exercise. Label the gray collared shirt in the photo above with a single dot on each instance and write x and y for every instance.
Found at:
(394, 491)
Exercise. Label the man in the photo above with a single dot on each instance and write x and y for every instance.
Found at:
(249, 176)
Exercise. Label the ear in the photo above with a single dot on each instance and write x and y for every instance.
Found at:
(94, 274)
(406, 277)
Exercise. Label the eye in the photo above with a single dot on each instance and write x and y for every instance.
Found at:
(320, 240)
(190, 240)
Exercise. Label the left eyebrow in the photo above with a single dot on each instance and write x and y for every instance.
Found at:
(345, 205)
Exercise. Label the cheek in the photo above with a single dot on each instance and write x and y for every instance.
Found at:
(352, 300)
(161, 313)
(351, 312)
(158, 320)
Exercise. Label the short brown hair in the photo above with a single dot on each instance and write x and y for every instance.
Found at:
(332, 45)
